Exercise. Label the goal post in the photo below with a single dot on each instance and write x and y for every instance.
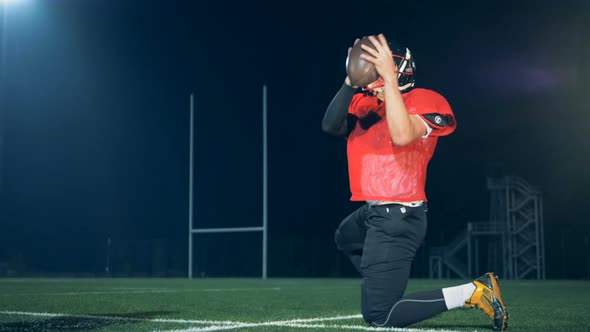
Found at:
(264, 228)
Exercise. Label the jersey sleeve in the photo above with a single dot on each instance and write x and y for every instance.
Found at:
(353, 108)
(433, 109)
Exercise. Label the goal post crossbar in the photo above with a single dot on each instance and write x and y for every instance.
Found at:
(227, 230)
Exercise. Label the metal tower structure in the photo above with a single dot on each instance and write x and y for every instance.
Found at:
(513, 237)
(519, 206)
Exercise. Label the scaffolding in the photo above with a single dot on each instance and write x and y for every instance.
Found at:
(513, 236)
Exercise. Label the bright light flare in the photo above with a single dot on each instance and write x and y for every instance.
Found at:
(10, 2)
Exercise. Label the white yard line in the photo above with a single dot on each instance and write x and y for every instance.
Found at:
(365, 328)
(149, 291)
(136, 288)
(317, 319)
(119, 318)
(211, 328)
(235, 289)
(231, 325)
(301, 323)
(303, 326)
(182, 321)
(110, 292)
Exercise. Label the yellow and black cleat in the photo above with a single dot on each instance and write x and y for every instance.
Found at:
(487, 298)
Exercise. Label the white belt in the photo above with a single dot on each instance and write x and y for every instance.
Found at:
(409, 204)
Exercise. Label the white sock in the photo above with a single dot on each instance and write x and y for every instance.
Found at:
(456, 296)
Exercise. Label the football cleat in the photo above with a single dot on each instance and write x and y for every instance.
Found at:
(487, 298)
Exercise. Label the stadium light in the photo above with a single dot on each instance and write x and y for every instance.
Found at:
(10, 2)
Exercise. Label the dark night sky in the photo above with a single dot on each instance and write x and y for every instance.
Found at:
(95, 120)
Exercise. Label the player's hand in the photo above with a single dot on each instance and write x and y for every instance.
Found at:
(347, 79)
(381, 58)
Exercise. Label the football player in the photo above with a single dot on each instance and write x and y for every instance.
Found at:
(391, 129)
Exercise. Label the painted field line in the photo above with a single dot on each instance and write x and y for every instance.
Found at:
(317, 319)
(91, 293)
(118, 318)
(181, 321)
(303, 326)
(365, 328)
(136, 288)
(236, 289)
(149, 291)
(301, 323)
(111, 292)
(230, 325)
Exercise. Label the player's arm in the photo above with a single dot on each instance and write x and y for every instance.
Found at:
(336, 119)
(403, 127)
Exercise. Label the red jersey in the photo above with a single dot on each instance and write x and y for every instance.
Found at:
(380, 170)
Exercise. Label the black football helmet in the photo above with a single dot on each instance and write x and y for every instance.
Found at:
(406, 69)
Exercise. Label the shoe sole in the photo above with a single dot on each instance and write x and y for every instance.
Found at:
(497, 295)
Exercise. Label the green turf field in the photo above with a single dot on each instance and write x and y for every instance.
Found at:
(258, 305)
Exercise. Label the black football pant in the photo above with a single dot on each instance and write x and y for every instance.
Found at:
(381, 242)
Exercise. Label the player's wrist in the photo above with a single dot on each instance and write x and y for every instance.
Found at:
(391, 81)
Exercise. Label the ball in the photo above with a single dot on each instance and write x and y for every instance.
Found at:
(359, 71)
